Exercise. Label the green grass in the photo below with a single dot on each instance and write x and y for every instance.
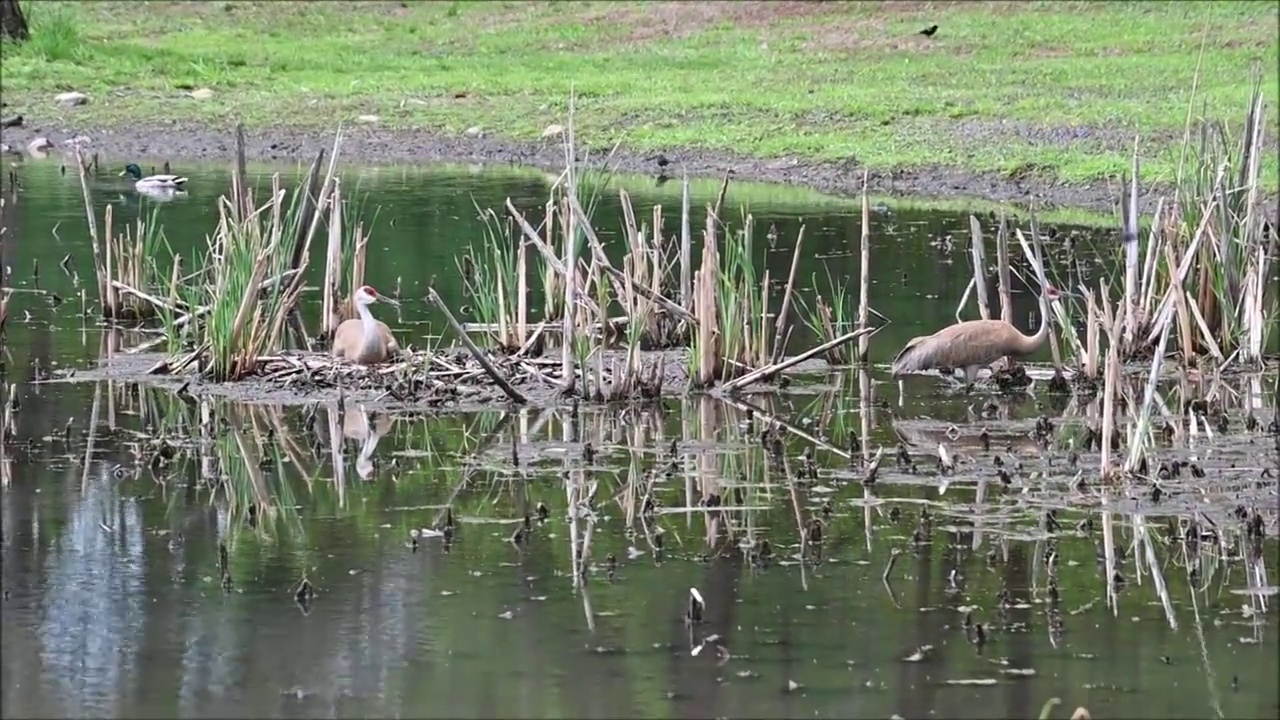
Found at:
(821, 81)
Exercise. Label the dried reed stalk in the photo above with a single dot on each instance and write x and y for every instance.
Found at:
(783, 321)
(330, 314)
(978, 256)
(686, 247)
(864, 277)
(705, 310)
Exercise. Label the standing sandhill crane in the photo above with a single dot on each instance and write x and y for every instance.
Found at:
(973, 344)
(365, 341)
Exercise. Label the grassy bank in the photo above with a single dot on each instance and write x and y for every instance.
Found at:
(1056, 89)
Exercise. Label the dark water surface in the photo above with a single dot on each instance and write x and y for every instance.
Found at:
(114, 604)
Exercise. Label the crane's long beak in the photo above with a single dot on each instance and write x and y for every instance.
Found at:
(389, 301)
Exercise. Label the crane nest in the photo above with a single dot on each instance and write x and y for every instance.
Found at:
(435, 378)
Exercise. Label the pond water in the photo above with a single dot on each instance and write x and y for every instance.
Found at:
(115, 603)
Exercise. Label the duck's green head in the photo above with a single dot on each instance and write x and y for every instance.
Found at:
(132, 171)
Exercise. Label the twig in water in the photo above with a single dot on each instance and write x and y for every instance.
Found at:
(869, 477)
(776, 368)
(888, 568)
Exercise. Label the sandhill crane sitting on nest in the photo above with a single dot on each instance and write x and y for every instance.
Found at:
(973, 344)
(364, 341)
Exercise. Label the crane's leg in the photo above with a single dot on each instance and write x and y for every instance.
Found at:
(970, 375)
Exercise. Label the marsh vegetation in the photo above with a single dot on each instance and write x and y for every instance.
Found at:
(1134, 478)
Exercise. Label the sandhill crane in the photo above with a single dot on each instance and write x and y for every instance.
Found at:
(365, 341)
(973, 344)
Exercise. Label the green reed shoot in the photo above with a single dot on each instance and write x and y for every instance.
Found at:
(248, 258)
(732, 334)
(178, 295)
(830, 320)
(129, 260)
(743, 300)
(492, 278)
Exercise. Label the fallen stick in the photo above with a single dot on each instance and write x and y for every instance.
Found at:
(475, 351)
(771, 370)
(531, 235)
(165, 368)
(153, 300)
(617, 322)
(537, 333)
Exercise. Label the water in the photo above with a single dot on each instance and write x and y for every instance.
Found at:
(114, 605)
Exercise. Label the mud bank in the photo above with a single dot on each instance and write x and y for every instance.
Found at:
(373, 145)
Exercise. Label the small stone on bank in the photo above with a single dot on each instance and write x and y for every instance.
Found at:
(368, 119)
(71, 99)
(39, 147)
(201, 94)
(553, 130)
(473, 131)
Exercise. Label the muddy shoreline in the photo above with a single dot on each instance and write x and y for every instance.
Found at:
(373, 145)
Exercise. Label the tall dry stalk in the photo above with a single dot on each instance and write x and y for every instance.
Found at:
(570, 259)
(330, 308)
(864, 276)
(1206, 257)
(706, 351)
(1002, 271)
(686, 247)
(1112, 323)
(978, 257)
(1092, 349)
(4, 316)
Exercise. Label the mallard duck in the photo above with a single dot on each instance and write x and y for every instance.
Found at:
(153, 182)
